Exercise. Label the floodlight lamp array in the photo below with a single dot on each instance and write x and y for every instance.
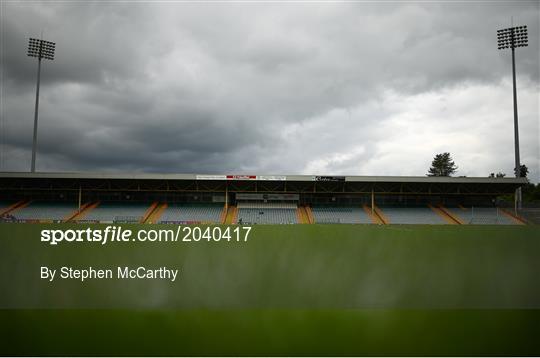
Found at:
(512, 37)
(41, 49)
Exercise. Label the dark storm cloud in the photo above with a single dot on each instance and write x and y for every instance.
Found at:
(93, 42)
(215, 87)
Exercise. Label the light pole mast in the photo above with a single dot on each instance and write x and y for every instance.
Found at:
(511, 38)
(40, 49)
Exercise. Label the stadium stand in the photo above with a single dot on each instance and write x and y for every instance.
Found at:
(194, 198)
(109, 212)
(192, 213)
(44, 211)
(267, 213)
(340, 215)
(400, 215)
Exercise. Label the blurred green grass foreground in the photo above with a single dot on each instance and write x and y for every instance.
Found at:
(270, 332)
(317, 290)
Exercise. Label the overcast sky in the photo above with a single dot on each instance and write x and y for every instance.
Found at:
(349, 88)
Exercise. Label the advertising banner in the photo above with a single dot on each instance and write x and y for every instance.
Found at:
(210, 177)
(328, 178)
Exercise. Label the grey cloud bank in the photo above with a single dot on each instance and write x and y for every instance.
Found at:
(329, 88)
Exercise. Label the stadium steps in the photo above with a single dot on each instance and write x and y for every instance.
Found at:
(85, 211)
(373, 217)
(444, 215)
(309, 213)
(306, 210)
(381, 216)
(12, 208)
(516, 219)
(149, 212)
(301, 215)
(223, 215)
(75, 213)
(457, 219)
(232, 215)
(21, 206)
(155, 215)
(459, 214)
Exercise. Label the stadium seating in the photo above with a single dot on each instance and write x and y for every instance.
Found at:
(267, 213)
(532, 215)
(109, 212)
(400, 215)
(482, 216)
(250, 205)
(45, 211)
(256, 213)
(204, 213)
(340, 215)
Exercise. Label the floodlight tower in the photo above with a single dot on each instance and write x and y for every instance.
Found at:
(40, 49)
(512, 38)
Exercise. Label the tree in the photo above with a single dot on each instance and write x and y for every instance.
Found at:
(498, 175)
(442, 166)
(523, 171)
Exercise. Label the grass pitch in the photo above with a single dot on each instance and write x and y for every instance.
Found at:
(290, 290)
(270, 332)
